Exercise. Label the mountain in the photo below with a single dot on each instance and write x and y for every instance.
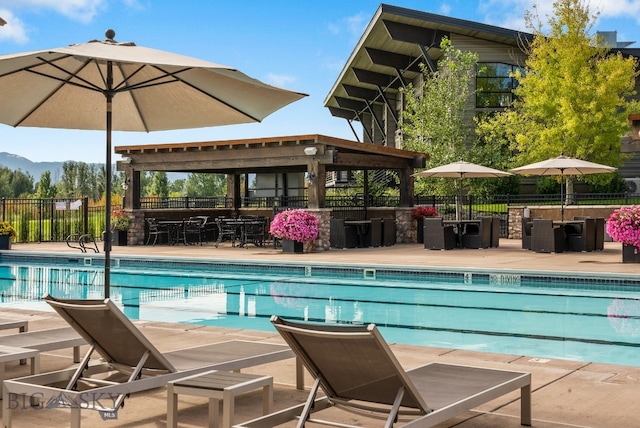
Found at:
(35, 169)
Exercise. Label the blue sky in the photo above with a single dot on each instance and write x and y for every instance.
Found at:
(299, 45)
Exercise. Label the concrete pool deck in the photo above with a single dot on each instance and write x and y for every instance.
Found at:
(565, 393)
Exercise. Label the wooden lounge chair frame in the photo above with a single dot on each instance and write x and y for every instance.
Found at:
(357, 371)
(130, 361)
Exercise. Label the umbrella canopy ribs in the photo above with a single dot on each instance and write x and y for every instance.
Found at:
(106, 85)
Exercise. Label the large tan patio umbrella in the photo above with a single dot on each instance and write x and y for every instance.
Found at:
(563, 166)
(120, 86)
(461, 170)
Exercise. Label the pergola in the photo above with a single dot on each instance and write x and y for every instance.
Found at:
(313, 154)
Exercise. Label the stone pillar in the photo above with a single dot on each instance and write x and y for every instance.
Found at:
(405, 226)
(515, 222)
(324, 229)
(135, 235)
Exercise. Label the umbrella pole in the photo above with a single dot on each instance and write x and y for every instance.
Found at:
(107, 208)
(561, 198)
(459, 200)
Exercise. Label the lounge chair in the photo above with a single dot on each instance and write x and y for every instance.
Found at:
(130, 363)
(357, 371)
(42, 341)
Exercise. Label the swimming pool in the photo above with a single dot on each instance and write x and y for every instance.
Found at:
(575, 317)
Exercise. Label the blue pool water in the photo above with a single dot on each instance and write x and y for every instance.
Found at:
(578, 318)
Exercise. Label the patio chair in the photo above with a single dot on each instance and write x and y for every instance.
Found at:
(581, 236)
(495, 232)
(437, 236)
(192, 230)
(130, 363)
(227, 230)
(357, 371)
(547, 237)
(388, 231)
(478, 235)
(527, 225)
(254, 232)
(376, 232)
(342, 235)
(208, 228)
(154, 230)
(600, 226)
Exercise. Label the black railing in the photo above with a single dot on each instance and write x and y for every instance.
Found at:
(54, 219)
(47, 219)
(156, 203)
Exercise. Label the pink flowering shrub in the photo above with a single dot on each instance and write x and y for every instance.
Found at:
(422, 212)
(624, 225)
(297, 225)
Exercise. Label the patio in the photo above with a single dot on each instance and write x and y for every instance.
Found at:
(565, 393)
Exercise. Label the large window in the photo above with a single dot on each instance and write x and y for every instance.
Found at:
(495, 84)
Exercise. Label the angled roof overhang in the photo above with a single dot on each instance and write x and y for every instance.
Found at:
(390, 51)
(273, 154)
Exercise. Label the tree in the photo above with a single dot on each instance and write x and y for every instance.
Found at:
(67, 185)
(204, 185)
(434, 118)
(177, 187)
(14, 184)
(45, 188)
(159, 185)
(574, 97)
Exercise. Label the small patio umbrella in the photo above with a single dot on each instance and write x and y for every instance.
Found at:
(120, 86)
(460, 170)
(563, 166)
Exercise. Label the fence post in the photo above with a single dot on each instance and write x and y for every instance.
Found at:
(85, 215)
(40, 220)
(4, 209)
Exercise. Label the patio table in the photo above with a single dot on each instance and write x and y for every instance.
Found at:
(362, 230)
(12, 353)
(460, 226)
(174, 228)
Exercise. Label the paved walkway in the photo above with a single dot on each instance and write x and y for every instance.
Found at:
(565, 393)
(508, 255)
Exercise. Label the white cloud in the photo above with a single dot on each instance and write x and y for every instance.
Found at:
(445, 9)
(14, 29)
(352, 25)
(616, 8)
(279, 80)
(510, 13)
(77, 10)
